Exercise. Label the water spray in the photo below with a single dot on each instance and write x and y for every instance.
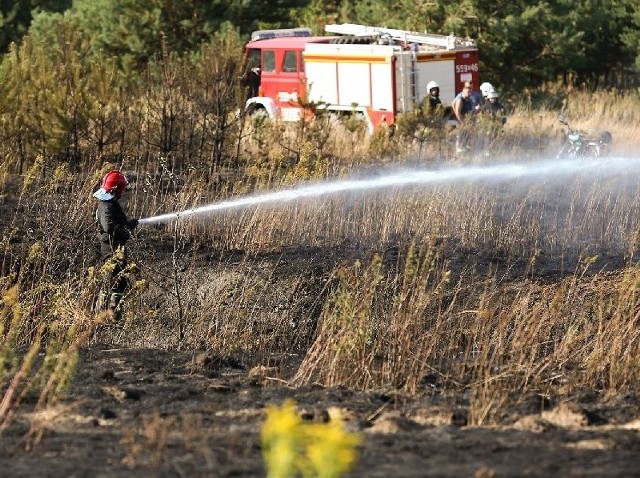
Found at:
(499, 172)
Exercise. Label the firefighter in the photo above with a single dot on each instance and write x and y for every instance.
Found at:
(493, 107)
(485, 88)
(432, 101)
(491, 120)
(114, 230)
(252, 81)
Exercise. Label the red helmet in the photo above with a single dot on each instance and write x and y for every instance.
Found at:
(114, 182)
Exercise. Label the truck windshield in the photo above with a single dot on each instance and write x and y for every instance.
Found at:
(253, 58)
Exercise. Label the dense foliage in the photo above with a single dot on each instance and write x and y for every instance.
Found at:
(16, 17)
(105, 80)
(523, 44)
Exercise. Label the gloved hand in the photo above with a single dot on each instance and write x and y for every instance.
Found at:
(132, 224)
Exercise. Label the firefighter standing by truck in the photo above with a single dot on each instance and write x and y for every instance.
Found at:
(431, 107)
(114, 230)
(432, 101)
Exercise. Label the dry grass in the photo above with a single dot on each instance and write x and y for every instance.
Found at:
(493, 288)
(618, 113)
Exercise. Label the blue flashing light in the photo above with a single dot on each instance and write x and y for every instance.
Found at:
(279, 33)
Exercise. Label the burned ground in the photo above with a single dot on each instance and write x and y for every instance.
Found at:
(143, 403)
(168, 413)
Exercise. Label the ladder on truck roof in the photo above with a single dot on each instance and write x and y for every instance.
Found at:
(448, 42)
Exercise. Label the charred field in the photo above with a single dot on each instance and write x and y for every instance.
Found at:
(469, 327)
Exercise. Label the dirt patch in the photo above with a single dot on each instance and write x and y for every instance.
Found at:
(147, 412)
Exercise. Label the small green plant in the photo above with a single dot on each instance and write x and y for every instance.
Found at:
(292, 447)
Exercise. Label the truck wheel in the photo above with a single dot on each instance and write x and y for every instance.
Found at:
(257, 112)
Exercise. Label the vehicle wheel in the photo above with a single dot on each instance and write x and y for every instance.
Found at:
(258, 117)
(258, 112)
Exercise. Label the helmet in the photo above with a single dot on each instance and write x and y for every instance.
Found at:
(486, 88)
(114, 182)
(492, 94)
(431, 85)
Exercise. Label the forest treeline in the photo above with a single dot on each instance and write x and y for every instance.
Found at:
(96, 80)
(523, 43)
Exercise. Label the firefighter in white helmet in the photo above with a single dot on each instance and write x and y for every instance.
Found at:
(493, 107)
(432, 101)
(114, 230)
(492, 118)
(485, 88)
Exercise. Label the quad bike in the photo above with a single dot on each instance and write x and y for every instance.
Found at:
(579, 143)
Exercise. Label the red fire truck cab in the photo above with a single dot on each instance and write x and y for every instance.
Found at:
(378, 72)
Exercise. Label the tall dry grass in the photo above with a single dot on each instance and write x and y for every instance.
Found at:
(494, 288)
(495, 342)
(613, 111)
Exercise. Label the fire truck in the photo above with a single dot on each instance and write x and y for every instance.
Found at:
(373, 71)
